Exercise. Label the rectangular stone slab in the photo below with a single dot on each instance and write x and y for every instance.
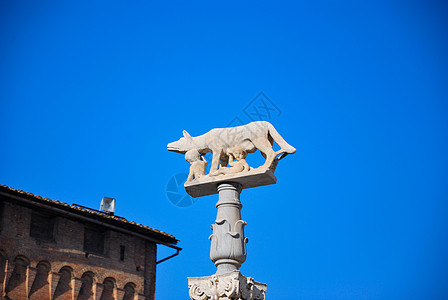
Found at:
(208, 185)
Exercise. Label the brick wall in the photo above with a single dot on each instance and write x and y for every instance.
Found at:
(60, 268)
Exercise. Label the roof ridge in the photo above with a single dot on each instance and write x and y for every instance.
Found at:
(99, 214)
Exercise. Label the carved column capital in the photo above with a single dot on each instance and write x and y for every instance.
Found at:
(229, 286)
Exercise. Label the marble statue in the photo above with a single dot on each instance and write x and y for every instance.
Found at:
(240, 165)
(229, 174)
(222, 141)
(198, 164)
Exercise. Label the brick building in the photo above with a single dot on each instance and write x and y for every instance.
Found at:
(53, 250)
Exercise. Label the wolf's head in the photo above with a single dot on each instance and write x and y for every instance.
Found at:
(182, 145)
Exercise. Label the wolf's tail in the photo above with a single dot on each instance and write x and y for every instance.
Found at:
(284, 146)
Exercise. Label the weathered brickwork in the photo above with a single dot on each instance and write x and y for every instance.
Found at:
(53, 262)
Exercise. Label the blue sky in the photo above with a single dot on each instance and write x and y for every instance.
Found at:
(91, 93)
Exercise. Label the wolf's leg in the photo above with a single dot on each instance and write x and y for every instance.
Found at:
(266, 150)
(215, 162)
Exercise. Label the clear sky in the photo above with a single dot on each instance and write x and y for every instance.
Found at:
(92, 91)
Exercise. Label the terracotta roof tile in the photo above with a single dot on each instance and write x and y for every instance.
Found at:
(119, 221)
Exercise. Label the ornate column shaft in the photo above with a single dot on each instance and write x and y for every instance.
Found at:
(228, 244)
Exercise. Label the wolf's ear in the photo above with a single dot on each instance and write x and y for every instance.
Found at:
(187, 135)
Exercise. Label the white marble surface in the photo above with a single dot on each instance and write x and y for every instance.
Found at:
(229, 286)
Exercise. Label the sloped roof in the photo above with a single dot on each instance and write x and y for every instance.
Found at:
(96, 215)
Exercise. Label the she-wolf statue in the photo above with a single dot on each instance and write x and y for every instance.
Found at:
(250, 137)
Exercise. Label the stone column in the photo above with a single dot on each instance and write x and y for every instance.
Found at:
(229, 146)
(228, 248)
(228, 252)
(228, 244)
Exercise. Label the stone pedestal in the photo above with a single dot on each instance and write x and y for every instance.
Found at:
(207, 185)
(229, 286)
